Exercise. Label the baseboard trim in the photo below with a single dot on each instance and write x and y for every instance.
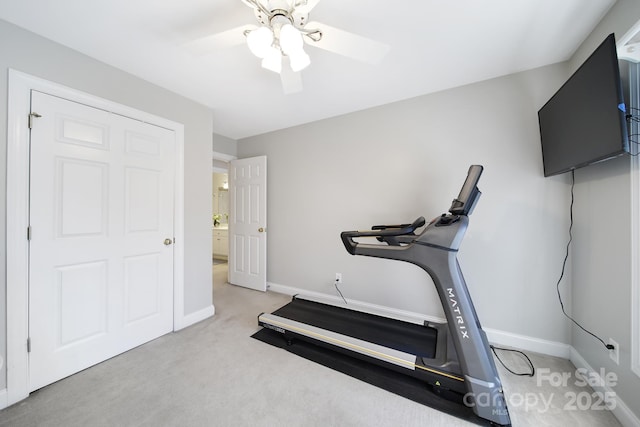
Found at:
(622, 412)
(525, 342)
(195, 317)
(404, 315)
(495, 336)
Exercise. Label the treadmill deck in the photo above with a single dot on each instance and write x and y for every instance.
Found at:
(402, 336)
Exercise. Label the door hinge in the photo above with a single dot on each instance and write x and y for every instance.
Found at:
(29, 345)
(31, 116)
(29, 233)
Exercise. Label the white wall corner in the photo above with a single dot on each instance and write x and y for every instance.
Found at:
(622, 412)
(4, 399)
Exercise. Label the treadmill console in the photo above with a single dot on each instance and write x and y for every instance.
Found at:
(469, 194)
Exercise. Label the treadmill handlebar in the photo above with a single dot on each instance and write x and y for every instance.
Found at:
(417, 224)
(380, 231)
(395, 235)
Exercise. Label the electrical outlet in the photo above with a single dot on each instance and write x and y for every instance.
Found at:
(615, 353)
(339, 278)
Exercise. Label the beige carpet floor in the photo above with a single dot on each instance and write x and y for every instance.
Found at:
(214, 374)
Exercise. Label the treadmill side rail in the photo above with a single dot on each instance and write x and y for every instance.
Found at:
(385, 354)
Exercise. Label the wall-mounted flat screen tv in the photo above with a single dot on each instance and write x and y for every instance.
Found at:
(585, 121)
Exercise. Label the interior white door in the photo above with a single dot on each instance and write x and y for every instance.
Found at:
(101, 221)
(248, 222)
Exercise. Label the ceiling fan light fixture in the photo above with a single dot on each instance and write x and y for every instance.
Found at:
(299, 60)
(281, 34)
(260, 41)
(290, 39)
(273, 60)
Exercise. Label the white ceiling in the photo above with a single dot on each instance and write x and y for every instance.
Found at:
(435, 45)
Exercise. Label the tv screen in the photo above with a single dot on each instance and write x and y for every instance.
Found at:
(585, 121)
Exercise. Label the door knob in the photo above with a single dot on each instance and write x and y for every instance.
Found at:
(167, 242)
(260, 230)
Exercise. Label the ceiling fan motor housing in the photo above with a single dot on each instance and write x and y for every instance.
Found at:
(297, 19)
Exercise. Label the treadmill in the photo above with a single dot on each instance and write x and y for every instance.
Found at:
(452, 357)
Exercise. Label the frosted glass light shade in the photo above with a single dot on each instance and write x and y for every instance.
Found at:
(260, 41)
(290, 39)
(273, 60)
(299, 60)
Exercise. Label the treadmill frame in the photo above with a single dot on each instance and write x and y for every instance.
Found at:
(462, 344)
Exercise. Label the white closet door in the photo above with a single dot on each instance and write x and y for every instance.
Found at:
(101, 220)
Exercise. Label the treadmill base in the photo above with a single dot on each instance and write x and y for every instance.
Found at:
(386, 379)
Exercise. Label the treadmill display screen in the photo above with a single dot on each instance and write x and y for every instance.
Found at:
(469, 193)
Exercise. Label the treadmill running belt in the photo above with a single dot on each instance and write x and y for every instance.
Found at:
(407, 337)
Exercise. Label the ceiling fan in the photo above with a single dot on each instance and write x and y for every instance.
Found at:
(279, 39)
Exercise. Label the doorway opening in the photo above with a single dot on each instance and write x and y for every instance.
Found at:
(220, 220)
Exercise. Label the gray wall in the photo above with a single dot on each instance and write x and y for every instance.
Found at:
(401, 160)
(222, 144)
(601, 249)
(393, 163)
(42, 58)
(601, 260)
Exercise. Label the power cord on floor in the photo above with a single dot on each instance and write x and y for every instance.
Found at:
(338, 289)
(520, 374)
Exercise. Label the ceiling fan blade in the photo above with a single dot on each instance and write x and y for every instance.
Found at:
(305, 6)
(348, 44)
(291, 80)
(222, 40)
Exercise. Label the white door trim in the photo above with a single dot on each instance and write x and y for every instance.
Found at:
(635, 254)
(223, 157)
(20, 85)
(634, 87)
